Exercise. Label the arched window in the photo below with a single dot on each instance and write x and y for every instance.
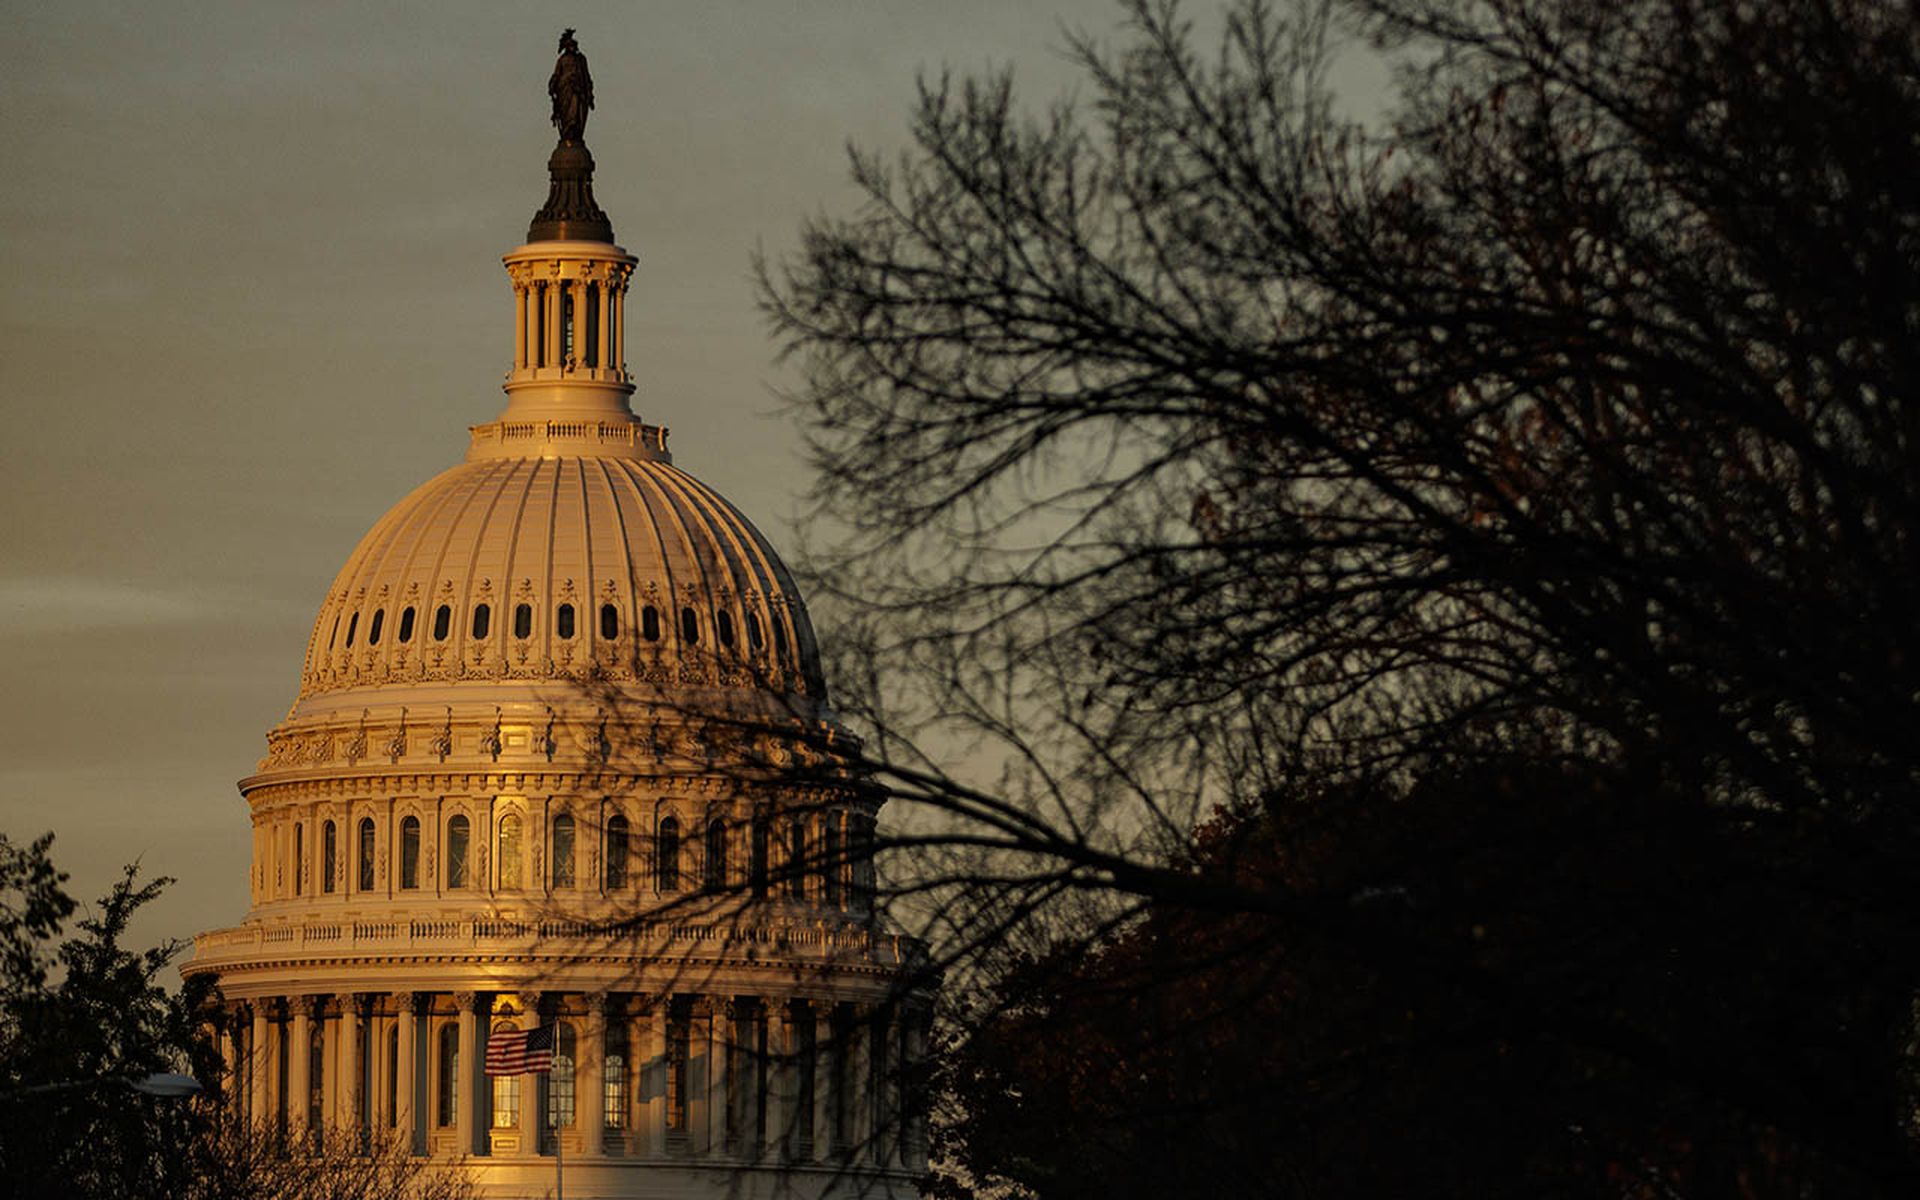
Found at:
(393, 1075)
(797, 859)
(755, 639)
(757, 858)
(830, 863)
(442, 623)
(365, 882)
(329, 855)
(458, 833)
(448, 1062)
(563, 851)
(613, 1077)
(617, 852)
(373, 630)
(406, 624)
(506, 1090)
(509, 851)
(723, 628)
(650, 623)
(482, 621)
(299, 858)
(715, 876)
(523, 621)
(560, 1081)
(689, 627)
(563, 622)
(353, 623)
(609, 622)
(666, 856)
(410, 852)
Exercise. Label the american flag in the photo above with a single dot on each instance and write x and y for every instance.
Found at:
(519, 1051)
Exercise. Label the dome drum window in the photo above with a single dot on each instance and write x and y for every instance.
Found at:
(373, 630)
(723, 628)
(609, 622)
(406, 625)
(482, 621)
(353, 624)
(522, 621)
(689, 626)
(563, 622)
(442, 623)
(650, 623)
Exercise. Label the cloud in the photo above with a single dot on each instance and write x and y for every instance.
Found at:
(57, 604)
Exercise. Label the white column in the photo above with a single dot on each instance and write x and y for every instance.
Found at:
(617, 302)
(783, 1100)
(650, 1051)
(467, 1103)
(533, 1116)
(579, 289)
(299, 1064)
(588, 1075)
(604, 340)
(825, 1046)
(351, 1082)
(519, 327)
(407, 1069)
(258, 1071)
(704, 1076)
(861, 1132)
(551, 333)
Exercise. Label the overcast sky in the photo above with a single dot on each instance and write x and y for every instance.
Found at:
(254, 296)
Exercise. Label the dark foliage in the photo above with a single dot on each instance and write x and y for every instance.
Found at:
(1525, 479)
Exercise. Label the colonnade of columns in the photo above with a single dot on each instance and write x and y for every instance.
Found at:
(743, 1078)
(577, 323)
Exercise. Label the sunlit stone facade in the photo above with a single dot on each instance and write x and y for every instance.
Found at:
(562, 753)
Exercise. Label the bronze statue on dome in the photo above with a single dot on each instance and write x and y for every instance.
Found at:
(571, 87)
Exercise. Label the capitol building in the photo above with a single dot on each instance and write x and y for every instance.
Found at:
(562, 754)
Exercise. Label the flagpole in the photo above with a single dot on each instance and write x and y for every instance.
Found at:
(559, 1185)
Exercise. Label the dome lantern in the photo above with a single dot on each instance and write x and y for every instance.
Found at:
(569, 387)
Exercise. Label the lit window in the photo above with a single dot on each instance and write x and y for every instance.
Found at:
(563, 851)
(617, 851)
(509, 856)
(666, 858)
(365, 882)
(715, 878)
(458, 832)
(506, 1091)
(614, 1078)
(757, 862)
(560, 1081)
(410, 853)
(563, 622)
(328, 853)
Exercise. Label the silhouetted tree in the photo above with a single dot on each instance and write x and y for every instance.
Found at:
(1204, 448)
(82, 1015)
